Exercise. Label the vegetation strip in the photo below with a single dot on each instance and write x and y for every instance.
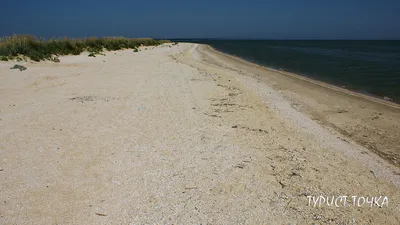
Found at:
(13, 47)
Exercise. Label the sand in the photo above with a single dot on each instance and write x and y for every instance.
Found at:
(185, 134)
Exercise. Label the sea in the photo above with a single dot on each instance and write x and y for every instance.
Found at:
(364, 66)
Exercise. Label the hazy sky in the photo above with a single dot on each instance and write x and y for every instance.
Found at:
(256, 19)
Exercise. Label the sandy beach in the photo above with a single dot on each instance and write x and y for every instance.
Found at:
(183, 134)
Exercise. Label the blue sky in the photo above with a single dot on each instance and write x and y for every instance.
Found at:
(254, 19)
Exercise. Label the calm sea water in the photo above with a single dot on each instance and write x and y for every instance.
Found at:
(370, 67)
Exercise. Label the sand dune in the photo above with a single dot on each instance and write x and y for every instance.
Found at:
(184, 134)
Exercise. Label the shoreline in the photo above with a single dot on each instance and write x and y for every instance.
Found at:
(369, 121)
(369, 96)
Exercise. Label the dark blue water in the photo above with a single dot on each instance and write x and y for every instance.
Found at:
(370, 67)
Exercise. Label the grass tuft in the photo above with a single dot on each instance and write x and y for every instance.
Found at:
(16, 66)
(55, 59)
(38, 49)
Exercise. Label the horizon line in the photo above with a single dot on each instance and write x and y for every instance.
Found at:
(282, 39)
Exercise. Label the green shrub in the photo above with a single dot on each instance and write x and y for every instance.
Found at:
(3, 58)
(39, 49)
